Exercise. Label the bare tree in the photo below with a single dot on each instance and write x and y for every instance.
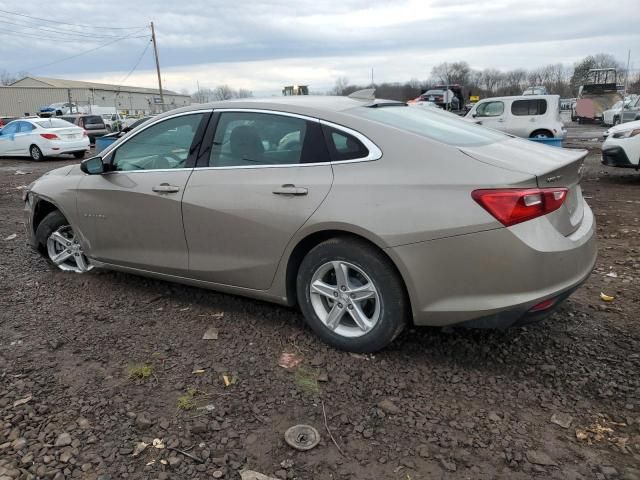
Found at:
(7, 78)
(341, 85)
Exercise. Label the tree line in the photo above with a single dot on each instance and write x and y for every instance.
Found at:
(558, 79)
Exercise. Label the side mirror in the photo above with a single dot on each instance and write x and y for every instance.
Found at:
(92, 166)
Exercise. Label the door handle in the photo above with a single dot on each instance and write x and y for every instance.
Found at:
(290, 189)
(501, 120)
(165, 188)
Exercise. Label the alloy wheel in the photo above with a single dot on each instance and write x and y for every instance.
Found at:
(345, 299)
(66, 252)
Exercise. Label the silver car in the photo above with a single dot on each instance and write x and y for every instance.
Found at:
(367, 214)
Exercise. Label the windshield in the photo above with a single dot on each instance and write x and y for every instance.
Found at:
(54, 123)
(441, 126)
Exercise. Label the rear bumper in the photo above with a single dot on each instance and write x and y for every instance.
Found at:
(60, 148)
(494, 278)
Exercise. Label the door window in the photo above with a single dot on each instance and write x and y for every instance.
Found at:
(490, 109)
(25, 127)
(10, 129)
(529, 107)
(245, 139)
(164, 145)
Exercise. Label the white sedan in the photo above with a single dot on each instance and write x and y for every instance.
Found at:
(42, 137)
(621, 147)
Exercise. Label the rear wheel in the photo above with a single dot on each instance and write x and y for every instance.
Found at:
(58, 242)
(78, 154)
(541, 134)
(351, 295)
(35, 153)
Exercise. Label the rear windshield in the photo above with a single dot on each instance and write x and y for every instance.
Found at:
(93, 120)
(53, 123)
(441, 126)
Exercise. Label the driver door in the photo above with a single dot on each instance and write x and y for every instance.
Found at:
(131, 215)
(491, 114)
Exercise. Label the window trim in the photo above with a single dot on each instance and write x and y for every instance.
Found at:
(374, 152)
(108, 157)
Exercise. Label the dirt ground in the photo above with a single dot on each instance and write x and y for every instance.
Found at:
(92, 365)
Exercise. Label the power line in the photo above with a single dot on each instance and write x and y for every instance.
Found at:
(87, 51)
(4, 31)
(66, 23)
(146, 47)
(59, 32)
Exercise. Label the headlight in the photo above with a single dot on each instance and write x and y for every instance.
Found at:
(627, 134)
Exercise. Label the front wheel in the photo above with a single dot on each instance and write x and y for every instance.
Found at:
(79, 155)
(58, 242)
(616, 121)
(541, 134)
(36, 153)
(351, 295)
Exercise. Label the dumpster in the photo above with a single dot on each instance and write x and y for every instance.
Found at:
(552, 142)
(104, 142)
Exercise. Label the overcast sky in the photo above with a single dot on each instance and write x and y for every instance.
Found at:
(263, 45)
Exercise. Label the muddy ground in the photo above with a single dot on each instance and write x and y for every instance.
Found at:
(92, 365)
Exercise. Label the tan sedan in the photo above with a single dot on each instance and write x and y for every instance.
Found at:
(366, 213)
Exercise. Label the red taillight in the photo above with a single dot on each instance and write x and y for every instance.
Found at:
(50, 136)
(514, 205)
(544, 305)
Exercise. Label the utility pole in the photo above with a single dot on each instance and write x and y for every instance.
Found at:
(155, 52)
(626, 75)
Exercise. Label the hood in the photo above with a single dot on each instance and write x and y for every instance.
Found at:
(62, 171)
(623, 127)
(525, 156)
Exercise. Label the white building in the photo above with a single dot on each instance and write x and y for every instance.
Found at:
(30, 94)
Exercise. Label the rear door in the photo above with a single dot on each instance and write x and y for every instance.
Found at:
(131, 215)
(261, 175)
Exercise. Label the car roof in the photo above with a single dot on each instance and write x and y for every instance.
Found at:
(312, 105)
(521, 97)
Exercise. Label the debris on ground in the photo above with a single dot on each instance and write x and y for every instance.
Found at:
(289, 360)
(606, 298)
(158, 443)
(562, 419)
(302, 437)
(229, 380)
(210, 334)
(198, 371)
(251, 475)
(22, 172)
(11, 237)
(22, 401)
(139, 448)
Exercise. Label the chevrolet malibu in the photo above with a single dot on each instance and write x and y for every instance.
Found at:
(367, 214)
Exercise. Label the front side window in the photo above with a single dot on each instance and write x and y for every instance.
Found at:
(490, 109)
(164, 145)
(529, 107)
(244, 139)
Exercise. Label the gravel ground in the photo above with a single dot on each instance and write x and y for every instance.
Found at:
(93, 365)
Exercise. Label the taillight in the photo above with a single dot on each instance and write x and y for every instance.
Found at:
(514, 205)
(50, 136)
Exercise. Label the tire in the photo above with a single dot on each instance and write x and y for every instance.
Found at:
(616, 121)
(79, 155)
(35, 153)
(541, 134)
(386, 311)
(55, 226)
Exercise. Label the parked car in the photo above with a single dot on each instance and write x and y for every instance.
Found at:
(621, 147)
(527, 116)
(5, 120)
(42, 137)
(93, 124)
(443, 98)
(631, 111)
(613, 116)
(311, 201)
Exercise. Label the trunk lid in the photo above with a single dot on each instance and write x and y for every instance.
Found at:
(67, 134)
(552, 167)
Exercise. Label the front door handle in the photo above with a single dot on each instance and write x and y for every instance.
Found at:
(165, 188)
(290, 189)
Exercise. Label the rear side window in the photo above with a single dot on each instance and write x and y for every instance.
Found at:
(24, 127)
(245, 139)
(343, 146)
(529, 107)
(490, 109)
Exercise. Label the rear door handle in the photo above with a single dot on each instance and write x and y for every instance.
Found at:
(165, 188)
(290, 189)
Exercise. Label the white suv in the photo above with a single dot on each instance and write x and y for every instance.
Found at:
(621, 147)
(528, 116)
